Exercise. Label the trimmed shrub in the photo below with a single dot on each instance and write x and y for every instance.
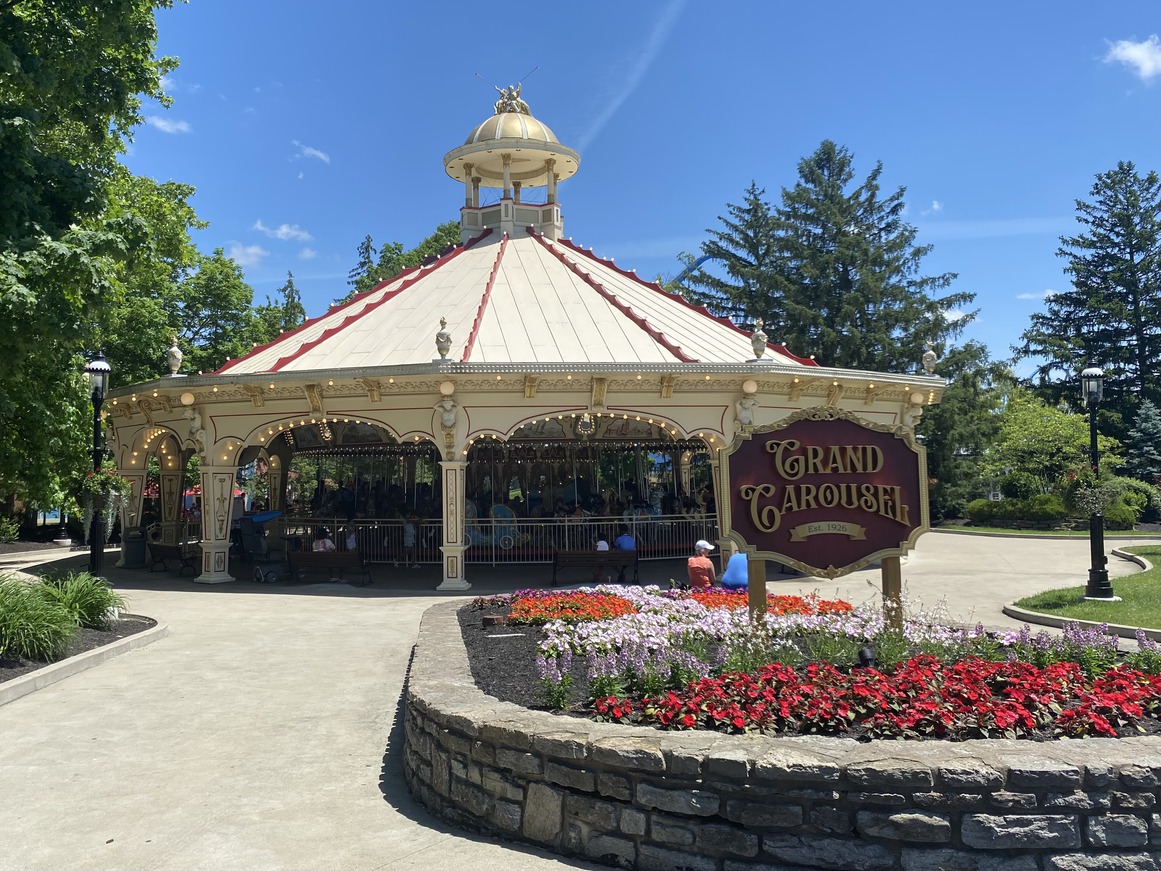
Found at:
(1144, 498)
(1045, 508)
(88, 600)
(32, 627)
(1008, 511)
(981, 511)
(1020, 485)
(1120, 516)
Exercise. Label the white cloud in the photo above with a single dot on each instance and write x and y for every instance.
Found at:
(283, 231)
(301, 174)
(1044, 294)
(167, 125)
(246, 255)
(1143, 57)
(307, 151)
(953, 315)
(644, 60)
(307, 254)
(934, 209)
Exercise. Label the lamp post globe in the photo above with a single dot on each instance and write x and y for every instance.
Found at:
(1092, 384)
(97, 371)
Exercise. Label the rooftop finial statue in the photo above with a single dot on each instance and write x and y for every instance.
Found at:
(929, 358)
(758, 339)
(510, 100)
(443, 339)
(173, 356)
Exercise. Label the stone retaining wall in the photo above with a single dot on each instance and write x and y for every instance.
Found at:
(641, 798)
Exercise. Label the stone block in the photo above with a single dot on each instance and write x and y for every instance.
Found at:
(734, 764)
(952, 801)
(1098, 775)
(1004, 799)
(475, 801)
(1016, 831)
(890, 799)
(890, 773)
(499, 785)
(969, 776)
(610, 850)
(1082, 801)
(1133, 800)
(833, 820)
(602, 814)
(614, 786)
(915, 826)
(633, 821)
(629, 753)
(518, 762)
(573, 778)
(507, 815)
(691, 802)
(761, 815)
(485, 754)
(919, 859)
(1117, 830)
(1139, 777)
(542, 813)
(561, 745)
(454, 743)
(1041, 772)
(684, 762)
(726, 839)
(651, 858)
(842, 854)
(458, 767)
(671, 831)
(439, 774)
(1100, 862)
(789, 763)
(513, 734)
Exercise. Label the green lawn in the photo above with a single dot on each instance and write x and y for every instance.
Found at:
(1070, 533)
(1141, 594)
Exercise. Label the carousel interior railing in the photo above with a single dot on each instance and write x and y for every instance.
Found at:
(498, 539)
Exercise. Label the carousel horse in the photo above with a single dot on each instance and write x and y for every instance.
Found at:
(507, 534)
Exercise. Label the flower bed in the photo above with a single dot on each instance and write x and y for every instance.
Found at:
(680, 660)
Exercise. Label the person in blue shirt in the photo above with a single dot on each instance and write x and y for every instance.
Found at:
(737, 573)
(623, 541)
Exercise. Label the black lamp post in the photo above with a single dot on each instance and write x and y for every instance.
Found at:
(98, 372)
(1092, 384)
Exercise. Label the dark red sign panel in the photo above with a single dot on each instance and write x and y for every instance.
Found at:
(826, 491)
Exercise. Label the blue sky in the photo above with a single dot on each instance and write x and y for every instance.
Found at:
(304, 126)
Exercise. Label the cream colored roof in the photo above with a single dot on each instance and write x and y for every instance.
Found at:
(525, 300)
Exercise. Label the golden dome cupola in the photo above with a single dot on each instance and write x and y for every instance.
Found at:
(511, 150)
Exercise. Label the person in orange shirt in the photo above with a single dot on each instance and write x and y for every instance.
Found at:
(701, 568)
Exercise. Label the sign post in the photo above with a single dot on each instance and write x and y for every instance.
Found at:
(827, 492)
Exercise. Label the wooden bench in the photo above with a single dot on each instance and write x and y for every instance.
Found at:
(189, 555)
(618, 559)
(335, 562)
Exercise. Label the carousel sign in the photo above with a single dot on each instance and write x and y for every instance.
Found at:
(825, 491)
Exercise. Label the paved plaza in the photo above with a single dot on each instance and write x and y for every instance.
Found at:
(263, 731)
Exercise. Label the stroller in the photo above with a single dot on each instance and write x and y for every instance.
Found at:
(268, 564)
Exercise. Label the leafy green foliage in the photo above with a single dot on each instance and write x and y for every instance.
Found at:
(1143, 445)
(9, 529)
(277, 317)
(1111, 311)
(215, 313)
(32, 627)
(393, 258)
(89, 600)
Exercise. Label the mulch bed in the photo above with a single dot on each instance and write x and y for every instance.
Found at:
(86, 640)
(10, 547)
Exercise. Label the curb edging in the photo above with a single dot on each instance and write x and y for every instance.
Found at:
(19, 687)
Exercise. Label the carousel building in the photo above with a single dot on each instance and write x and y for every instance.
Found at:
(515, 395)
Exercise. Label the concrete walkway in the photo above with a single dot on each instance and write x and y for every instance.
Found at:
(263, 732)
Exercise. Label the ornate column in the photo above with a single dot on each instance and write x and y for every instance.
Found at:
(476, 191)
(131, 507)
(170, 490)
(516, 190)
(721, 490)
(276, 488)
(217, 503)
(549, 167)
(468, 167)
(453, 547)
(506, 159)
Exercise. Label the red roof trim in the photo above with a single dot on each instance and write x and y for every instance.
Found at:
(484, 300)
(657, 335)
(401, 277)
(652, 285)
(350, 319)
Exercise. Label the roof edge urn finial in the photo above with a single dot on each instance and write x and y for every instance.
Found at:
(929, 358)
(443, 339)
(758, 340)
(173, 357)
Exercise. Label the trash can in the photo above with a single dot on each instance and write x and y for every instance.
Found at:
(133, 548)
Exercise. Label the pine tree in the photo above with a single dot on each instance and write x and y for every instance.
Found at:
(293, 311)
(847, 286)
(366, 254)
(1111, 312)
(745, 250)
(1143, 445)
